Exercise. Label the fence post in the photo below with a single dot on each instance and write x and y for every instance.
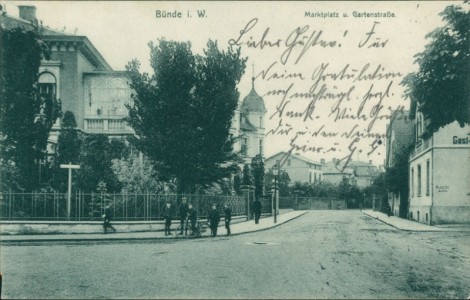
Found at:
(9, 207)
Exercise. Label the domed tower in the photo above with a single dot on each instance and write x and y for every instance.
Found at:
(252, 113)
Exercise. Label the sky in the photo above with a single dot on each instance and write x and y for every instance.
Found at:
(307, 44)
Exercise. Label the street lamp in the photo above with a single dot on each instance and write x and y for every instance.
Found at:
(276, 195)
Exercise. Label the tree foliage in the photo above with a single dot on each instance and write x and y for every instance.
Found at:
(247, 176)
(26, 117)
(136, 175)
(257, 170)
(397, 180)
(182, 113)
(283, 181)
(442, 84)
(96, 165)
(67, 150)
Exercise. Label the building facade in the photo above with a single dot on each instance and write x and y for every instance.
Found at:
(439, 169)
(299, 168)
(334, 173)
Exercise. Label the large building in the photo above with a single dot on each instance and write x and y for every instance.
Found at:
(80, 77)
(97, 95)
(439, 169)
(248, 125)
(334, 173)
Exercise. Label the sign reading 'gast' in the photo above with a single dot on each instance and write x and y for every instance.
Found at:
(457, 140)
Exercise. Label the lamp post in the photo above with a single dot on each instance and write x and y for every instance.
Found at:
(276, 195)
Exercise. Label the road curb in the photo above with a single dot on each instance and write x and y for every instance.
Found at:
(105, 239)
(404, 229)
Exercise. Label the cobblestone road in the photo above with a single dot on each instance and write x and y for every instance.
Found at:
(323, 254)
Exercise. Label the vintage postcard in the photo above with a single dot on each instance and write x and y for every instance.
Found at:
(235, 149)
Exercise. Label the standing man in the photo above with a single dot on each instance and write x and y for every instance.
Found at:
(213, 220)
(107, 217)
(257, 210)
(192, 216)
(167, 214)
(228, 218)
(183, 210)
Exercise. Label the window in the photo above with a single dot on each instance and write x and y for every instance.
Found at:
(411, 215)
(419, 127)
(315, 178)
(427, 178)
(47, 84)
(310, 177)
(418, 215)
(419, 182)
(261, 122)
(242, 119)
(412, 183)
(244, 146)
(427, 216)
(319, 177)
(288, 162)
(261, 147)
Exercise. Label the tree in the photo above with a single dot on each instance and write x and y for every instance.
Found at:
(442, 84)
(283, 181)
(182, 113)
(237, 184)
(397, 179)
(247, 178)
(95, 164)
(136, 175)
(257, 170)
(67, 150)
(26, 117)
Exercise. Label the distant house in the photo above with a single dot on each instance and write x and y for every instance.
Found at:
(439, 173)
(299, 168)
(334, 173)
(399, 138)
(364, 173)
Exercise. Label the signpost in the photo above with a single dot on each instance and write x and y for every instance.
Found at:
(69, 192)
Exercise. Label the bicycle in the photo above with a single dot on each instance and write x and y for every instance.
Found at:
(200, 228)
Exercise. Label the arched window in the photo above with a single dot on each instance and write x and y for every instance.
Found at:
(47, 84)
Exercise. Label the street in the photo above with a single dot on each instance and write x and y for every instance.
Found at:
(322, 254)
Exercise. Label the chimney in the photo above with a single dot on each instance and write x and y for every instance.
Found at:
(28, 13)
(322, 161)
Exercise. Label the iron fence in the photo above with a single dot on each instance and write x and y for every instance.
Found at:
(125, 207)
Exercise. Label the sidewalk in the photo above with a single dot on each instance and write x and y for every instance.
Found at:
(407, 225)
(238, 228)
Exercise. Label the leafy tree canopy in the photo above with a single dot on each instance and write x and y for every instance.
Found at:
(182, 113)
(442, 84)
(26, 117)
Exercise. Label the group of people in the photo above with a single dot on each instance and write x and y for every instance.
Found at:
(187, 213)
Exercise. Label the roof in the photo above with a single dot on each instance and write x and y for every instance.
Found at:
(331, 168)
(285, 154)
(253, 102)
(8, 22)
(364, 169)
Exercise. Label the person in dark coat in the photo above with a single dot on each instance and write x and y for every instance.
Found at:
(183, 211)
(192, 217)
(167, 215)
(213, 220)
(257, 210)
(228, 218)
(107, 217)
